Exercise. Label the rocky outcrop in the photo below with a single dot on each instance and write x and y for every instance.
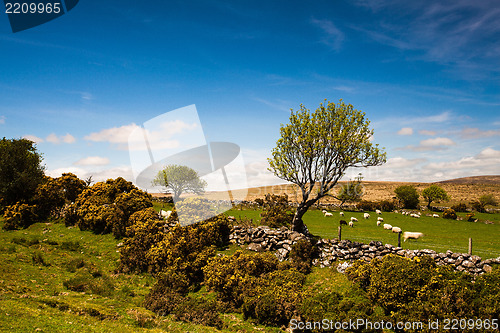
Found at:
(280, 240)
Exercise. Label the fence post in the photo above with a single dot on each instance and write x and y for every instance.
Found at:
(340, 233)
(470, 246)
(399, 239)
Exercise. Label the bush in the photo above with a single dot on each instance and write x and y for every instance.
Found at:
(273, 298)
(19, 216)
(277, 212)
(194, 210)
(366, 206)
(484, 200)
(461, 207)
(419, 290)
(49, 198)
(449, 214)
(145, 231)
(407, 196)
(107, 206)
(470, 217)
(21, 171)
(387, 206)
(302, 254)
(229, 276)
(198, 311)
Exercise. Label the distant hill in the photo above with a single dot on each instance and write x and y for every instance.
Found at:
(484, 180)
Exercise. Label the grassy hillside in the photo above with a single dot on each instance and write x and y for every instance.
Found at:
(38, 265)
(440, 234)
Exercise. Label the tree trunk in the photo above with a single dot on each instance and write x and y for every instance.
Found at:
(297, 223)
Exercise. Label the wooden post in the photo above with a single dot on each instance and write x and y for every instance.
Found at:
(340, 233)
(470, 246)
(399, 239)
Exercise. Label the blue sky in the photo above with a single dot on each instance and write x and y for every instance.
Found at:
(426, 73)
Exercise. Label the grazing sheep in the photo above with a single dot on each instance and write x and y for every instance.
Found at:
(342, 222)
(387, 226)
(378, 211)
(328, 214)
(366, 215)
(411, 235)
(323, 211)
(165, 214)
(435, 215)
(381, 219)
(396, 229)
(231, 218)
(353, 219)
(351, 224)
(341, 213)
(415, 215)
(379, 223)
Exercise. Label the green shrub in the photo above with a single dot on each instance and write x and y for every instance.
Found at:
(302, 254)
(487, 288)
(461, 207)
(146, 230)
(387, 206)
(407, 196)
(470, 217)
(366, 206)
(107, 206)
(273, 298)
(229, 276)
(277, 212)
(19, 216)
(198, 311)
(449, 214)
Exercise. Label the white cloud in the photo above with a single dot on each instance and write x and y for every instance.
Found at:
(53, 138)
(430, 144)
(437, 142)
(474, 133)
(159, 139)
(93, 160)
(113, 135)
(33, 138)
(405, 131)
(486, 159)
(427, 132)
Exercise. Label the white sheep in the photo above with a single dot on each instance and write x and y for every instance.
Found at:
(323, 211)
(366, 215)
(387, 226)
(341, 213)
(378, 211)
(328, 214)
(411, 235)
(396, 229)
(381, 219)
(351, 224)
(353, 219)
(435, 215)
(165, 214)
(378, 223)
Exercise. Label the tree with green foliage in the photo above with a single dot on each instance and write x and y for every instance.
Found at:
(350, 192)
(21, 171)
(484, 200)
(434, 193)
(407, 195)
(179, 179)
(317, 148)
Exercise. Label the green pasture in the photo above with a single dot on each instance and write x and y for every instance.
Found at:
(439, 234)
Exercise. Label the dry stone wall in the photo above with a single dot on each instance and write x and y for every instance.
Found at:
(280, 240)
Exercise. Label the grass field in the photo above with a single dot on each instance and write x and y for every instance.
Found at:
(440, 234)
(35, 264)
